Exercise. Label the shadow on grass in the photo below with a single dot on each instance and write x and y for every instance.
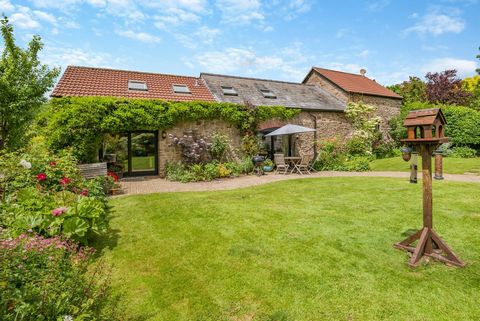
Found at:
(109, 240)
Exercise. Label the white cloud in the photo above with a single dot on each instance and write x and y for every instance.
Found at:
(378, 5)
(295, 8)
(6, 6)
(140, 36)
(464, 67)
(60, 56)
(364, 53)
(436, 23)
(240, 11)
(175, 17)
(24, 18)
(291, 62)
(235, 59)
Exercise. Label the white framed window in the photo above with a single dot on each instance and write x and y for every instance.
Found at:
(229, 91)
(181, 89)
(137, 85)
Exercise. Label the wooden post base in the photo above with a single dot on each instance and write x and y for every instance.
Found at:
(429, 244)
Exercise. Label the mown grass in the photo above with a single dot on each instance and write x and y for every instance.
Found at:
(450, 165)
(314, 249)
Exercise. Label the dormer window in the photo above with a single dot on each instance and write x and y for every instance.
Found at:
(137, 85)
(268, 94)
(229, 91)
(181, 89)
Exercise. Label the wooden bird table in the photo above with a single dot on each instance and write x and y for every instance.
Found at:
(420, 134)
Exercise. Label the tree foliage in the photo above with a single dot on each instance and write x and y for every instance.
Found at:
(446, 88)
(462, 123)
(414, 89)
(23, 84)
(80, 122)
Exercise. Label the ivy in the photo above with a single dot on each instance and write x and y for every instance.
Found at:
(80, 122)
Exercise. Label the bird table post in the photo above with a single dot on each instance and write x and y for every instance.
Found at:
(425, 130)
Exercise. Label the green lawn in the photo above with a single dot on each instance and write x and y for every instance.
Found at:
(450, 165)
(312, 249)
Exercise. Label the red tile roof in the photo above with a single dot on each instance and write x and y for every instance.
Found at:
(88, 81)
(356, 83)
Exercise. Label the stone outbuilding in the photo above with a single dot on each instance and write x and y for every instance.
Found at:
(321, 98)
(350, 87)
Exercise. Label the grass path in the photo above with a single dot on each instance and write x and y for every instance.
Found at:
(310, 249)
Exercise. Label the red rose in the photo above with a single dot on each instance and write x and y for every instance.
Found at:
(42, 177)
(84, 192)
(113, 175)
(65, 181)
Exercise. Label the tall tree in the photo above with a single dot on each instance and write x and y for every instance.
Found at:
(412, 90)
(446, 88)
(24, 81)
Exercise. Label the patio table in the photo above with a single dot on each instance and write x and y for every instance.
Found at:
(293, 160)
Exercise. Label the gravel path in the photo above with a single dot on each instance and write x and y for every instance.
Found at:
(149, 185)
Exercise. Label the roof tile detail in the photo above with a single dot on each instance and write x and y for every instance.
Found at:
(288, 94)
(356, 83)
(89, 81)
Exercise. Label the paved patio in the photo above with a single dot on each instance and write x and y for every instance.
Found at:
(147, 185)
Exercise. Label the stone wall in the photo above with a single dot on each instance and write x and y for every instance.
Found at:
(330, 125)
(205, 128)
(315, 79)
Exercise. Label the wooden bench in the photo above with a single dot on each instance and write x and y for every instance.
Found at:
(93, 170)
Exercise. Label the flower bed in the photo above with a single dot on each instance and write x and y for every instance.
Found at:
(45, 194)
(51, 279)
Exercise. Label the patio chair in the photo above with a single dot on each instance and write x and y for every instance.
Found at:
(282, 167)
(312, 163)
(303, 166)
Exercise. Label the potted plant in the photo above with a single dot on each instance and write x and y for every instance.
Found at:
(268, 165)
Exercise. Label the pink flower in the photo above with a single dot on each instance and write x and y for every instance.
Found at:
(64, 181)
(42, 177)
(59, 211)
(84, 192)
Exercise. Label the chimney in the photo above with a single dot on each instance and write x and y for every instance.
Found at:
(363, 72)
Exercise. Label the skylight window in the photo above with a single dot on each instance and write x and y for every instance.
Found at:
(229, 91)
(137, 85)
(181, 89)
(267, 93)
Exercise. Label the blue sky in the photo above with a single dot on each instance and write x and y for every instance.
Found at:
(269, 39)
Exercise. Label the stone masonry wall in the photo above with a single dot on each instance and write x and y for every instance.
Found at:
(205, 128)
(329, 125)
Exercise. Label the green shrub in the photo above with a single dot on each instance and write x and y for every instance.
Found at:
(462, 123)
(219, 147)
(50, 279)
(45, 193)
(462, 152)
(331, 155)
(386, 150)
(358, 145)
(357, 164)
(176, 171)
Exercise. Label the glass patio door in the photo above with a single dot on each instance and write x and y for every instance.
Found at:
(143, 153)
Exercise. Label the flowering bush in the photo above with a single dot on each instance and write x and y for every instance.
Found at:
(45, 193)
(52, 279)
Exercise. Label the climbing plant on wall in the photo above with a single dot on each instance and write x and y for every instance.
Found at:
(80, 122)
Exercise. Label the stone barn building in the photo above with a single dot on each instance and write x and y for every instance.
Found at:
(322, 98)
